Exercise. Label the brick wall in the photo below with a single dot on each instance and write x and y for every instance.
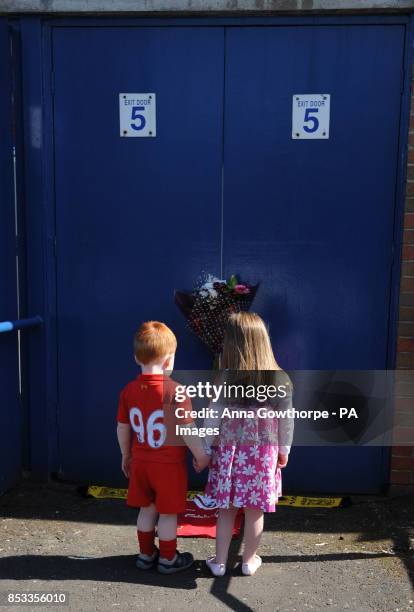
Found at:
(402, 456)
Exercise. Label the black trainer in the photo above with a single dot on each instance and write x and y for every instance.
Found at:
(182, 562)
(147, 563)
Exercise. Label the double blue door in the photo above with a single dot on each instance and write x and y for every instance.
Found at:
(222, 188)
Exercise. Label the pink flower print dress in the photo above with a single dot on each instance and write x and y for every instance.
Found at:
(243, 471)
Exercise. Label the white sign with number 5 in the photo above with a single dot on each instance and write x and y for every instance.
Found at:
(310, 116)
(137, 116)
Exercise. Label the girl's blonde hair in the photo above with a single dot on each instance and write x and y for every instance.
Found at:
(247, 344)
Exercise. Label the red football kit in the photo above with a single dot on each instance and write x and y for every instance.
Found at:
(158, 471)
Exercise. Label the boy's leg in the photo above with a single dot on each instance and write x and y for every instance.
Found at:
(146, 522)
(170, 560)
(167, 534)
(253, 529)
(224, 533)
(170, 488)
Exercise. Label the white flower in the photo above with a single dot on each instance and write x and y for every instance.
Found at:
(225, 503)
(258, 482)
(227, 485)
(240, 433)
(266, 486)
(238, 484)
(249, 470)
(248, 486)
(241, 457)
(220, 486)
(271, 498)
(208, 284)
(224, 471)
(254, 497)
(207, 289)
(238, 502)
(212, 475)
(210, 280)
(226, 434)
(254, 452)
(273, 437)
(265, 460)
(227, 456)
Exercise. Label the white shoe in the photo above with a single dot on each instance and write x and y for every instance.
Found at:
(217, 569)
(248, 569)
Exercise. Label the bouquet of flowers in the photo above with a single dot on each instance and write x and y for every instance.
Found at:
(208, 307)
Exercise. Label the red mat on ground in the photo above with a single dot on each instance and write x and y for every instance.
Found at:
(199, 518)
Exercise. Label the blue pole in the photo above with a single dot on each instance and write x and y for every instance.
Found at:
(6, 326)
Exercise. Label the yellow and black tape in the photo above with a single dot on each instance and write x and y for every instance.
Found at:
(297, 501)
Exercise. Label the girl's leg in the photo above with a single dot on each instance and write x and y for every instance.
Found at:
(253, 529)
(225, 523)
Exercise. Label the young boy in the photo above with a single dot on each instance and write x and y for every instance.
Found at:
(157, 471)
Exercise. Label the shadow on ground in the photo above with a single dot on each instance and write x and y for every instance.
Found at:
(372, 518)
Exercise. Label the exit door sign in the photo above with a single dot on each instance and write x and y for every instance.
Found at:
(137, 115)
(310, 116)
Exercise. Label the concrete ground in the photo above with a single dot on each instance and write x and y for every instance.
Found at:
(357, 558)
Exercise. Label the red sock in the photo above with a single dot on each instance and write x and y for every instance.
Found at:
(168, 549)
(146, 542)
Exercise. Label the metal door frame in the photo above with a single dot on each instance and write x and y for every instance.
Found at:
(12, 445)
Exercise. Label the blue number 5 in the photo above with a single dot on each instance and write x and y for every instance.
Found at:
(135, 115)
(308, 118)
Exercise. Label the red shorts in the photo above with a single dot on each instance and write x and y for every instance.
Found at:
(164, 484)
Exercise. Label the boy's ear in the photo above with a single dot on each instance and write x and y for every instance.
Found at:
(136, 360)
(167, 362)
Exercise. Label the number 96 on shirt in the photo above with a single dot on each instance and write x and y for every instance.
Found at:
(310, 116)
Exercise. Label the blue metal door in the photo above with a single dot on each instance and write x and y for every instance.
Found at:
(222, 182)
(136, 218)
(10, 413)
(313, 219)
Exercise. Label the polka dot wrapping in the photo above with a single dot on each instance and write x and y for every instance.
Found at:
(207, 315)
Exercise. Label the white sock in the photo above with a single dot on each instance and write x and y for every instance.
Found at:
(148, 557)
(168, 561)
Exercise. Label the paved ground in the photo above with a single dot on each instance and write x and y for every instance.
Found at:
(358, 558)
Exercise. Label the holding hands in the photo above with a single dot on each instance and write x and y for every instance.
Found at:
(201, 462)
(282, 460)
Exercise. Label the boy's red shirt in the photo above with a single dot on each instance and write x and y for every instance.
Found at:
(148, 405)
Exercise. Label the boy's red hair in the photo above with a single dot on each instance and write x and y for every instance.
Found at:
(152, 341)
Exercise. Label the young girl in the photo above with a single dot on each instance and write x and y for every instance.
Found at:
(245, 469)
